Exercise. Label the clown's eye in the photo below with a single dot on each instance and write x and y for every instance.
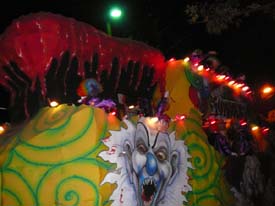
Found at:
(142, 148)
(161, 156)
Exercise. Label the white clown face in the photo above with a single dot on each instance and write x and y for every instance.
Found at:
(152, 164)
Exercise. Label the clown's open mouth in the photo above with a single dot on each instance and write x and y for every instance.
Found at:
(148, 190)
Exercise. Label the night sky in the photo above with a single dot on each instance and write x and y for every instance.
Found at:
(248, 50)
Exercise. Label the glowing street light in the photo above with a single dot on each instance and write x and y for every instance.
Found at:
(115, 13)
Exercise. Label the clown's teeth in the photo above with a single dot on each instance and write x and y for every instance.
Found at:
(149, 181)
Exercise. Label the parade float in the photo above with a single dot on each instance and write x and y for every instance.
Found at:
(128, 127)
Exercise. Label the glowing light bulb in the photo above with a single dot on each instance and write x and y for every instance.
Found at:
(220, 77)
(213, 122)
(227, 77)
(172, 59)
(267, 90)
(2, 129)
(154, 120)
(237, 85)
(231, 82)
(245, 88)
(254, 128)
(54, 104)
(131, 107)
(243, 123)
(186, 59)
(180, 117)
(200, 68)
(265, 130)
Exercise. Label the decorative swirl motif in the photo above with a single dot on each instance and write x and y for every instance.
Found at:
(72, 197)
(200, 158)
(205, 170)
(51, 125)
(206, 173)
(69, 196)
(11, 197)
(71, 184)
(55, 118)
(16, 190)
(57, 137)
(49, 118)
(212, 200)
(69, 172)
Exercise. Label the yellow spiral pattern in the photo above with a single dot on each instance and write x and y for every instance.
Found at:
(55, 160)
(205, 171)
(56, 137)
(15, 189)
(71, 184)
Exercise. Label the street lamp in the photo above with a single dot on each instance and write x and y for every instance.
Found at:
(115, 13)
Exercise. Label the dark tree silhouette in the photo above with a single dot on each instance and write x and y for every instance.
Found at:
(219, 15)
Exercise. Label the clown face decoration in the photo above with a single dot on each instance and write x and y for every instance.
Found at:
(151, 165)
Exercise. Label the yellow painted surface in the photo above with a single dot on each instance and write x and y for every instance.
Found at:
(55, 159)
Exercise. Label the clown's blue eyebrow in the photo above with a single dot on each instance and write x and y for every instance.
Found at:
(147, 133)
